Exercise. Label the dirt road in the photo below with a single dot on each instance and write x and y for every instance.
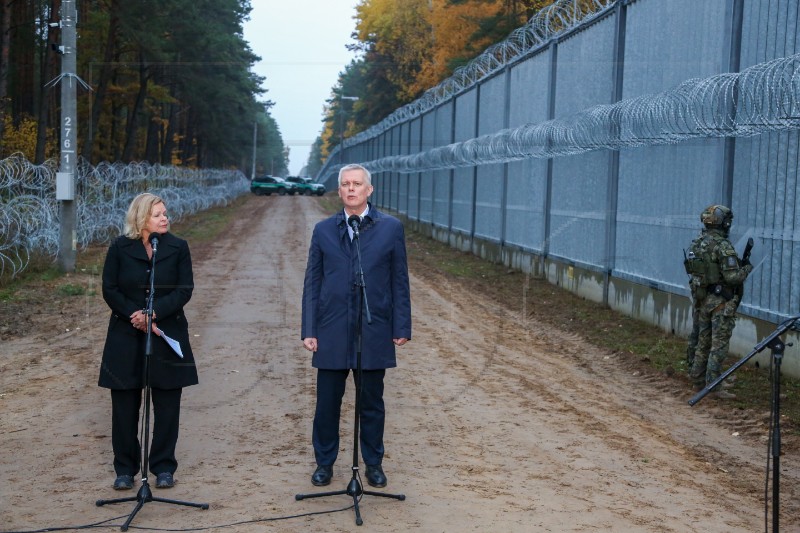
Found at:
(495, 423)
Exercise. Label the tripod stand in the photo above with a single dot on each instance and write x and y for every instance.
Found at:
(776, 345)
(354, 488)
(145, 495)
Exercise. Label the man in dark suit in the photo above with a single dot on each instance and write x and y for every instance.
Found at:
(330, 314)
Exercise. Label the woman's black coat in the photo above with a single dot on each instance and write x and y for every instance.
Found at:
(126, 282)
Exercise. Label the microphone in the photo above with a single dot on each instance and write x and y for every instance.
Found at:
(354, 221)
(153, 238)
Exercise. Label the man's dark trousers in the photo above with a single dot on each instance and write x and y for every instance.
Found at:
(331, 385)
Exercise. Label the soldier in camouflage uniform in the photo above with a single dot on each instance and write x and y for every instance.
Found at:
(691, 344)
(716, 282)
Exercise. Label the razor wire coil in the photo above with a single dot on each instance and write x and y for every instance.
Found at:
(29, 217)
(760, 99)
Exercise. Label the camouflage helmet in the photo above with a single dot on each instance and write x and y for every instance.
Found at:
(717, 216)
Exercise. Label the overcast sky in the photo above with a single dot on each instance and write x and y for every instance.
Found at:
(302, 48)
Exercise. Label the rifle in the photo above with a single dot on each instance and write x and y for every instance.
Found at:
(739, 291)
(747, 249)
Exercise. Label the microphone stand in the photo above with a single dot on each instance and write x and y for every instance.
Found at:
(777, 346)
(354, 488)
(145, 495)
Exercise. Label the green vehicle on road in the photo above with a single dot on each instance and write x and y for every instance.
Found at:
(306, 186)
(272, 184)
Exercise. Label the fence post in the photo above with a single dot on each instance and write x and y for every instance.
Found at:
(732, 60)
(506, 125)
(617, 73)
(551, 112)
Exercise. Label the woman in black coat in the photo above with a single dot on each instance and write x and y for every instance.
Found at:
(126, 287)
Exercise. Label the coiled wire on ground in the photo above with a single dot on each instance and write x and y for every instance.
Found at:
(29, 211)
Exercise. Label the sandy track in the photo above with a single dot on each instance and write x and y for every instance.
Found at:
(495, 423)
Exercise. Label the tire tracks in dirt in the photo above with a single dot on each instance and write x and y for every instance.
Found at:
(495, 422)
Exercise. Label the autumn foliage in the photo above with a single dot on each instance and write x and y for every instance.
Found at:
(405, 47)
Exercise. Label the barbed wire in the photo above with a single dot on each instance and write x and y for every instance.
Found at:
(29, 219)
(760, 99)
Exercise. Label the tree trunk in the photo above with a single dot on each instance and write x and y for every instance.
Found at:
(130, 130)
(23, 48)
(187, 139)
(152, 143)
(5, 42)
(48, 69)
(102, 84)
(168, 142)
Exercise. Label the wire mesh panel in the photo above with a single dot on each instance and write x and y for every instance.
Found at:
(662, 190)
(765, 204)
(490, 186)
(765, 185)
(527, 180)
(379, 181)
(415, 140)
(770, 31)
(441, 180)
(393, 192)
(670, 42)
(425, 187)
(578, 210)
(579, 197)
(466, 106)
(525, 200)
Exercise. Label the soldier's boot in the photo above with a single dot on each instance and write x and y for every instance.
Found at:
(722, 394)
(728, 382)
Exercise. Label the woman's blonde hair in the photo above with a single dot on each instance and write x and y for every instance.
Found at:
(138, 213)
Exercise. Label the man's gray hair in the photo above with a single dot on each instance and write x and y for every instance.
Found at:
(355, 166)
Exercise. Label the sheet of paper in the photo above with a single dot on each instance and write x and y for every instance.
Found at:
(175, 345)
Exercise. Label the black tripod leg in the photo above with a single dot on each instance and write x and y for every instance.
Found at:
(777, 356)
(354, 490)
(131, 516)
(100, 503)
(143, 496)
(299, 497)
(400, 497)
(178, 502)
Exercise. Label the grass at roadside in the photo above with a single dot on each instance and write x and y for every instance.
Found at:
(644, 347)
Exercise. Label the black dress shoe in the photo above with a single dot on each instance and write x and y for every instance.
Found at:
(375, 476)
(164, 480)
(123, 482)
(322, 476)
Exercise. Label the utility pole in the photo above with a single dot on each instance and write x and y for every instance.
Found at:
(65, 178)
